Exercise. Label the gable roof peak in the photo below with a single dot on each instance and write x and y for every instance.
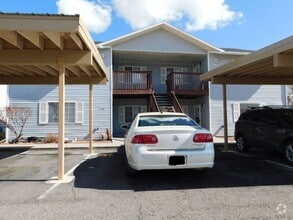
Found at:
(167, 27)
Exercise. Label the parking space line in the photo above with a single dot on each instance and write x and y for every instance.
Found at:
(43, 196)
(268, 161)
(241, 154)
(280, 164)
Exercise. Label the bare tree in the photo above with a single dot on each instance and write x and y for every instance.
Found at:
(15, 118)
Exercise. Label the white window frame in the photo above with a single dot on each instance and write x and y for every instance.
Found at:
(236, 108)
(44, 112)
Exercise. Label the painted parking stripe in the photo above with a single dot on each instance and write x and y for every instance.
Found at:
(268, 161)
(280, 164)
(241, 154)
(43, 196)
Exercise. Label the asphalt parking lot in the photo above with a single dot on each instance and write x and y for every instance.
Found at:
(257, 185)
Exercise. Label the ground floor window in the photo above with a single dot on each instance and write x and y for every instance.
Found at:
(127, 113)
(238, 108)
(48, 112)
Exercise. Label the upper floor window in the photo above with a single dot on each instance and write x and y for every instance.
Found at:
(166, 70)
(132, 68)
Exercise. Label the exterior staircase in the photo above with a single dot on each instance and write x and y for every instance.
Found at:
(164, 103)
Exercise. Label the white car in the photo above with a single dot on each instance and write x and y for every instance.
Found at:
(167, 140)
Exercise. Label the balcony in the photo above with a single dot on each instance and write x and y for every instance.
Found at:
(186, 85)
(132, 82)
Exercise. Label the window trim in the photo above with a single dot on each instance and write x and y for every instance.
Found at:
(236, 108)
(44, 113)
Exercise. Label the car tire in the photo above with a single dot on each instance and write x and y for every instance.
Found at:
(241, 144)
(288, 152)
(129, 171)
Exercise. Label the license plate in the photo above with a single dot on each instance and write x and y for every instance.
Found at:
(177, 160)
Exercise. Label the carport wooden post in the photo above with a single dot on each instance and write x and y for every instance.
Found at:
(225, 117)
(61, 114)
(91, 118)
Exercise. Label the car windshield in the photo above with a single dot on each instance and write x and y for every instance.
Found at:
(166, 120)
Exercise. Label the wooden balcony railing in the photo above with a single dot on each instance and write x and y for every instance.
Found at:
(153, 103)
(186, 84)
(175, 102)
(132, 82)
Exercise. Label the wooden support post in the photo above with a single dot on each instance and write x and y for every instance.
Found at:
(61, 114)
(225, 117)
(91, 109)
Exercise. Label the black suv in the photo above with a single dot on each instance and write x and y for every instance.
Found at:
(267, 127)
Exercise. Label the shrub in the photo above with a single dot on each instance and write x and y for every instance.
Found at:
(51, 138)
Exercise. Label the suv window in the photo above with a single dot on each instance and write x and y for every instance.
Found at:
(285, 115)
(266, 116)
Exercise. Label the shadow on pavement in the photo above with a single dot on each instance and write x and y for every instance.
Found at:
(8, 152)
(230, 170)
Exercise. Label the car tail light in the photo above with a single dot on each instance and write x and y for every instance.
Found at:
(144, 139)
(202, 138)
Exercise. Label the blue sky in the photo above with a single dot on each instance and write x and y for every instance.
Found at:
(244, 24)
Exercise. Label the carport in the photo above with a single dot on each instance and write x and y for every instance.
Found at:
(270, 65)
(50, 49)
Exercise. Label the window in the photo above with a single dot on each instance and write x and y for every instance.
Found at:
(166, 120)
(166, 70)
(127, 113)
(48, 112)
(239, 108)
(132, 68)
(135, 77)
(69, 112)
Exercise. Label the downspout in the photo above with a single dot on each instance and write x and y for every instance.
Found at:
(209, 87)
(7, 104)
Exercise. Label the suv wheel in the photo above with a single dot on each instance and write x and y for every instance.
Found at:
(288, 151)
(241, 144)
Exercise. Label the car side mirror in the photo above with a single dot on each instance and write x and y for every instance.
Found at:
(125, 127)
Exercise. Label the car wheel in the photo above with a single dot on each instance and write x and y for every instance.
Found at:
(288, 151)
(129, 171)
(241, 144)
